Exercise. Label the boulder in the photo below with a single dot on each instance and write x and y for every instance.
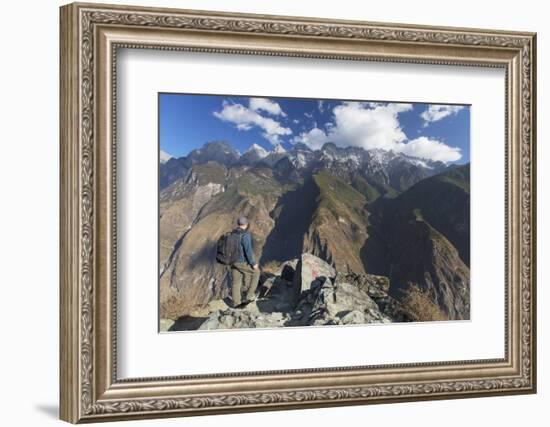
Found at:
(355, 317)
(375, 286)
(238, 319)
(217, 304)
(335, 302)
(288, 268)
(166, 324)
(308, 270)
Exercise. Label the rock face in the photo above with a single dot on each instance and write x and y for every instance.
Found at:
(310, 269)
(181, 202)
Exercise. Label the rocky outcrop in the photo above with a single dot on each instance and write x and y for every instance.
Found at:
(312, 295)
(310, 269)
(343, 303)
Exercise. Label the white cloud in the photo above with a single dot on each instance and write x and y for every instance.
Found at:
(432, 149)
(437, 112)
(375, 125)
(321, 106)
(358, 124)
(314, 139)
(308, 115)
(245, 119)
(266, 105)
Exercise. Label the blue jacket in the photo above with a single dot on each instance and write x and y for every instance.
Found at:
(245, 249)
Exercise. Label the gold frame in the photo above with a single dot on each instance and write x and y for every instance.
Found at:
(90, 35)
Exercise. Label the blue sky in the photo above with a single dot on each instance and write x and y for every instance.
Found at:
(433, 131)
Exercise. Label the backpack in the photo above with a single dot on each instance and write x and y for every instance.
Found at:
(227, 248)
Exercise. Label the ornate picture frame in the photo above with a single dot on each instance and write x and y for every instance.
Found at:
(90, 390)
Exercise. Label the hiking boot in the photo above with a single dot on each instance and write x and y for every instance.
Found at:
(254, 298)
(241, 305)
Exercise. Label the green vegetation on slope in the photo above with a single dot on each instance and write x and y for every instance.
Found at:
(338, 227)
(390, 192)
(442, 202)
(338, 197)
(246, 187)
(367, 190)
(458, 176)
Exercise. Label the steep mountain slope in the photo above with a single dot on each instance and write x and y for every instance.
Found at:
(291, 217)
(444, 201)
(338, 227)
(421, 255)
(421, 238)
(364, 212)
(181, 202)
(366, 189)
(192, 275)
(172, 170)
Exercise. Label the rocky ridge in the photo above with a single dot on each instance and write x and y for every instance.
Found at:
(303, 292)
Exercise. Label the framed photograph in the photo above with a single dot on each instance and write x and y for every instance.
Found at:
(268, 212)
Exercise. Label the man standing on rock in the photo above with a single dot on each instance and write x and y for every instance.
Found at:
(244, 267)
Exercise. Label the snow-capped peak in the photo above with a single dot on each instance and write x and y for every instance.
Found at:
(260, 151)
(381, 156)
(164, 156)
(278, 148)
(420, 162)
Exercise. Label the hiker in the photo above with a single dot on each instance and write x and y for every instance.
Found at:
(244, 267)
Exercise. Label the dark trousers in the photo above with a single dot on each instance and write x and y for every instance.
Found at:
(239, 272)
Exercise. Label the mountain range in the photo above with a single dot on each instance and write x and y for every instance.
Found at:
(361, 211)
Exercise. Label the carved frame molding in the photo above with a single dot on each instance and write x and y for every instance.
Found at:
(90, 37)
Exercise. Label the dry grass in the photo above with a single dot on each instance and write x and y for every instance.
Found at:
(272, 267)
(172, 305)
(419, 307)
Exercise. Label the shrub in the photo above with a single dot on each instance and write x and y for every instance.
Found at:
(419, 307)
